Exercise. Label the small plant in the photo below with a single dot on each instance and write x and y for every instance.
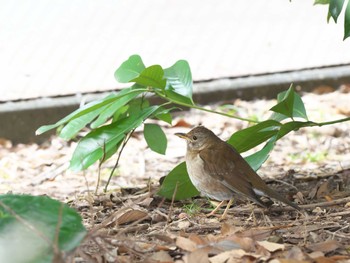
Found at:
(192, 209)
(113, 119)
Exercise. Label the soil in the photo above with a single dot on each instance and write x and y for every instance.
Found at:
(131, 223)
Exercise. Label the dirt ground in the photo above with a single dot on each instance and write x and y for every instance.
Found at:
(130, 223)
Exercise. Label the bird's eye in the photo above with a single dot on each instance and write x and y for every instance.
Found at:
(194, 137)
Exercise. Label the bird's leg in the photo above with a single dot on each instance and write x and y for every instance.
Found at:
(216, 209)
(226, 209)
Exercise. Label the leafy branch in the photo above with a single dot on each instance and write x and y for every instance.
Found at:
(115, 117)
(334, 9)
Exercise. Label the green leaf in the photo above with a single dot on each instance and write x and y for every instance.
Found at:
(177, 98)
(164, 116)
(125, 96)
(248, 138)
(90, 107)
(285, 106)
(71, 129)
(29, 225)
(255, 160)
(137, 105)
(151, 77)
(155, 138)
(129, 69)
(335, 7)
(290, 105)
(179, 79)
(94, 145)
(178, 180)
(347, 22)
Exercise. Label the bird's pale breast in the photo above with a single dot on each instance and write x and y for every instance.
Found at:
(205, 183)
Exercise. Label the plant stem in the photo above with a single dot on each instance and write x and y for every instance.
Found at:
(332, 122)
(203, 109)
(126, 139)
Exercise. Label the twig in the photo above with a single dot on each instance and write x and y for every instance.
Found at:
(126, 139)
(288, 208)
(285, 183)
(172, 203)
(99, 166)
(328, 203)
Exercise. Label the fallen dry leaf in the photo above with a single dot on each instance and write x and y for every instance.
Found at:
(326, 246)
(271, 247)
(186, 244)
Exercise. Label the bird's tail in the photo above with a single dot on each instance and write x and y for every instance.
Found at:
(272, 193)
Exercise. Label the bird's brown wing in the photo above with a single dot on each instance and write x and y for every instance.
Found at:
(229, 167)
(235, 173)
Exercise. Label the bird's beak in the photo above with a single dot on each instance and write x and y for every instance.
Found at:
(183, 136)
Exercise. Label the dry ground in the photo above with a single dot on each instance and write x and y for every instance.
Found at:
(130, 223)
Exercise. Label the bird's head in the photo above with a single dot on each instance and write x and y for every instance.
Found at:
(198, 138)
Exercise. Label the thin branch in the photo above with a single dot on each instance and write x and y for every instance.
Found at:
(126, 139)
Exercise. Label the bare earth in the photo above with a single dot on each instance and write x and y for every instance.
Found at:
(130, 223)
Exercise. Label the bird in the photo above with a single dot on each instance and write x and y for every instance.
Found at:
(219, 172)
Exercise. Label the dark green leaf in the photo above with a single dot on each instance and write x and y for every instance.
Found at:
(177, 98)
(347, 21)
(130, 69)
(335, 7)
(71, 129)
(179, 79)
(285, 106)
(257, 159)
(248, 138)
(110, 110)
(155, 138)
(178, 180)
(93, 146)
(164, 116)
(151, 77)
(137, 105)
(29, 225)
(90, 107)
(290, 105)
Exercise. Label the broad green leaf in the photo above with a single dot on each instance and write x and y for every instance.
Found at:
(285, 106)
(347, 21)
(108, 154)
(248, 138)
(152, 76)
(257, 159)
(164, 116)
(335, 7)
(155, 138)
(178, 180)
(71, 129)
(89, 107)
(92, 147)
(137, 105)
(29, 225)
(179, 79)
(177, 98)
(290, 105)
(129, 69)
(109, 111)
